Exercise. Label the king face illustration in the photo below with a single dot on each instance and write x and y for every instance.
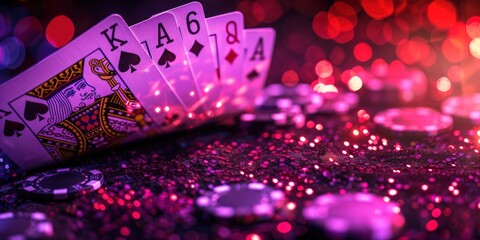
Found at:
(71, 99)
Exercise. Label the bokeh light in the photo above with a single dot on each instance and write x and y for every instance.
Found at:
(60, 31)
(13, 53)
(379, 67)
(441, 13)
(326, 25)
(284, 227)
(379, 32)
(355, 83)
(290, 78)
(324, 69)
(444, 84)
(28, 30)
(345, 14)
(475, 47)
(362, 52)
(473, 27)
(378, 9)
(454, 50)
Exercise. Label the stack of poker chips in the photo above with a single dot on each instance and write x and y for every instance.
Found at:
(281, 105)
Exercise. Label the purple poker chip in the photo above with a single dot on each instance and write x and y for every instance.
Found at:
(420, 121)
(63, 183)
(280, 90)
(266, 116)
(284, 98)
(274, 90)
(25, 225)
(362, 215)
(288, 116)
(241, 200)
(464, 107)
(275, 95)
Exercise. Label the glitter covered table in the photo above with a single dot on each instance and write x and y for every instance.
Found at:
(151, 187)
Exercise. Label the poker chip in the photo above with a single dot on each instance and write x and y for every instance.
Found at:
(278, 95)
(24, 225)
(465, 107)
(335, 103)
(269, 102)
(289, 99)
(280, 90)
(396, 85)
(63, 183)
(288, 116)
(265, 116)
(315, 105)
(241, 200)
(362, 215)
(419, 121)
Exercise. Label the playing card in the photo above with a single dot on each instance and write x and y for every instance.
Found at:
(161, 38)
(259, 43)
(91, 94)
(191, 23)
(226, 37)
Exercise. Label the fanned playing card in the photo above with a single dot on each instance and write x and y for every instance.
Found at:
(191, 23)
(161, 38)
(259, 43)
(93, 93)
(226, 38)
(110, 86)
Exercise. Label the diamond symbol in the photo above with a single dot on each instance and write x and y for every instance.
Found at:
(252, 75)
(196, 48)
(231, 56)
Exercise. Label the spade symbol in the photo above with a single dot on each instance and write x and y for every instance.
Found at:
(166, 58)
(127, 61)
(13, 128)
(34, 110)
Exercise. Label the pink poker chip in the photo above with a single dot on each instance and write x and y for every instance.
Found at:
(363, 215)
(241, 200)
(466, 107)
(419, 120)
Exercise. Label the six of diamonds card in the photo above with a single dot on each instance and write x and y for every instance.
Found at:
(115, 83)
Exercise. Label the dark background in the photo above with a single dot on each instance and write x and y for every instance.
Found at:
(298, 48)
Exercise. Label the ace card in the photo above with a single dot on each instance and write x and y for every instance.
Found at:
(259, 44)
(94, 93)
(161, 38)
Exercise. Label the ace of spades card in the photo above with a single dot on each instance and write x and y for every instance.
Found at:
(91, 94)
(160, 37)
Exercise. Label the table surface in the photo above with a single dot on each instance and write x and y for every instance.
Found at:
(151, 186)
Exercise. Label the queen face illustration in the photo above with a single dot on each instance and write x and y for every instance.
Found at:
(72, 98)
